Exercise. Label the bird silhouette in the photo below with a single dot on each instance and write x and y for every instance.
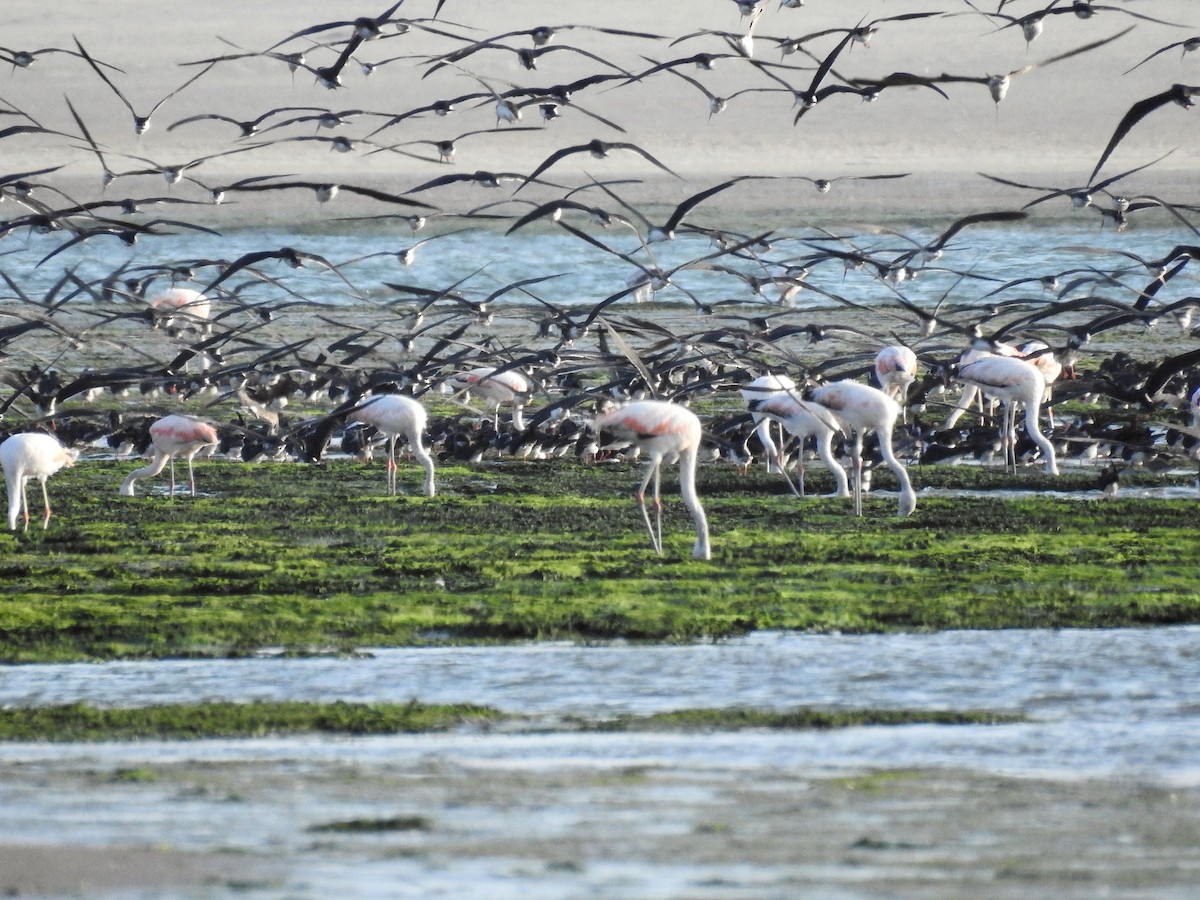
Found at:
(1179, 94)
(140, 123)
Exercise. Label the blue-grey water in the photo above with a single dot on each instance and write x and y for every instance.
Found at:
(1120, 706)
(488, 260)
(1099, 702)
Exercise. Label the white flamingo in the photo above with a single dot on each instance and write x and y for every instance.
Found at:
(190, 305)
(969, 391)
(31, 455)
(173, 436)
(896, 370)
(497, 388)
(395, 415)
(1012, 381)
(863, 408)
(762, 388)
(802, 418)
(662, 430)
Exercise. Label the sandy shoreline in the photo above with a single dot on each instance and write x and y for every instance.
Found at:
(1049, 130)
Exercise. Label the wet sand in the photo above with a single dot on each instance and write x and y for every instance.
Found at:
(623, 832)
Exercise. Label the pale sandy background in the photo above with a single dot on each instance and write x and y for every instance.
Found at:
(1050, 129)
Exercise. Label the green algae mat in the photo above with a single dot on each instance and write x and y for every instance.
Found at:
(317, 559)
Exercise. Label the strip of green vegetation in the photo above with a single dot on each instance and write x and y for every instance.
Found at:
(81, 722)
(373, 826)
(803, 719)
(317, 558)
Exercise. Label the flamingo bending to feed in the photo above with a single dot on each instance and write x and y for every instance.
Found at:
(863, 408)
(497, 388)
(662, 430)
(1013, 381)
(969, 391)
(763, 388)
(172, 436)
(803, 418)
(31, 455)
(395, 415)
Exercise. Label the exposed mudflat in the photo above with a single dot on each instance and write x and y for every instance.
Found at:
(439, 829)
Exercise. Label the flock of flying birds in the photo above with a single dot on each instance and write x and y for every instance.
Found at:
(216, 355)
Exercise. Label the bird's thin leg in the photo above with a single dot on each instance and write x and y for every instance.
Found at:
(25, 502)
(800, 464)
(391, 466)
(191, 477)
(658, 510)
(46, 501)
(172, 476)
(1010, 435)
(778, 461)
(857, 459)
(641, 500)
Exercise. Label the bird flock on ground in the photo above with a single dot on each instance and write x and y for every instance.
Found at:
(287, 353)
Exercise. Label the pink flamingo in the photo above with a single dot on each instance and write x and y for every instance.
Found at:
(1013, 381)
(661, 429)
(863, 408)
(896, 370)
(802, 418)
(31, 455)
(172, 436)
(497, 388)
(191, 305)
(395, 415)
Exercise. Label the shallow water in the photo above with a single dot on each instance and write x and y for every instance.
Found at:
(1102, 702)
(553, 814)
(585, 275)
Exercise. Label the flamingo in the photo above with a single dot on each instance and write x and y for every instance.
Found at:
(896, 370)
(801, 418)
(31, 455)
(763, 388)
(172, 436)
(863, 408)
(1014, 381)
(497, 387)
(969, 391)
(395, 415)
(662, 429)
(1051, 367)
(192, 305)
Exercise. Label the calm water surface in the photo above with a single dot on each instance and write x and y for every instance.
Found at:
(1102, 702)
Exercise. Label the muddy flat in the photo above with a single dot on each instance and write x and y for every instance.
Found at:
(438, 828)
